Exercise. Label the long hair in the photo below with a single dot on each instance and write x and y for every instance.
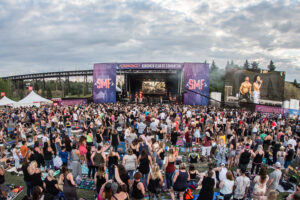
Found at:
(260, 149)
(101, 170)
(50, 173)
(263, 175)
(122, 170)
(155, 172)
(111, 151)
(144, 154)
(32, 167)
(46, 145)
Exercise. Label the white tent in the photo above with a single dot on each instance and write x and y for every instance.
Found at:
(5, 101)
(32, 99)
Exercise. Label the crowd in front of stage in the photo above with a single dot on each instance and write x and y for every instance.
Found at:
(139, 151)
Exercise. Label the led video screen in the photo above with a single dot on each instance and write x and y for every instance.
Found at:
(153, 87)
(254, 87)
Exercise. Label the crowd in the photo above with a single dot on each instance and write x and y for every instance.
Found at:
(133, 151)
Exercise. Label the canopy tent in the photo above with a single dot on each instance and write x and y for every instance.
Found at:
(32, 99)
(5, 101)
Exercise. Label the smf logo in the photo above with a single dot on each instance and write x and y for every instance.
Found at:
(103, 83)
(196, 84)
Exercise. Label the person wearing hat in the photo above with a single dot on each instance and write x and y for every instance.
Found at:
(275, 177)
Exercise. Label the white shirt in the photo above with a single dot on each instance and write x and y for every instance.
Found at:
(241, 183)
(222, 173)
(189, 114)
(292, 142)
(45, 139)
(227, 187)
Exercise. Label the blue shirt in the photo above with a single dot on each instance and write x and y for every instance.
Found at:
(63, 156)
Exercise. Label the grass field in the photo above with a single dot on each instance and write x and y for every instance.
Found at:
(89, 195)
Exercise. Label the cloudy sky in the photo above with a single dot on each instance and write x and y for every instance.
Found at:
(54, 35)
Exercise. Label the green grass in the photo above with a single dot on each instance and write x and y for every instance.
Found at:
(18, 180)
(89, 194)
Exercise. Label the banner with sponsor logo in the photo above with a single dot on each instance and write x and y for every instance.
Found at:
(104, 84)
(72, 102)
(149, 65)
(269, 109)
(196, 83)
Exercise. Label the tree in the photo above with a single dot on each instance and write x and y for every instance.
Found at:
(49, 93)
(5, 86)
(271, 66)
(43, 93)
(295, 82)
(254, 65)
(213, 66)
(246, 65)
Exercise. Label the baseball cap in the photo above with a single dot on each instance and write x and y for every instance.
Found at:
(278, 165)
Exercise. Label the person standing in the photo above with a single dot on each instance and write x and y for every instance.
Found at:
(170, 168)
(227, 186)
(100, 178)
(154, 182)
(138, 189)
(188, 139)
(260, 187)
(258, 158)
(48, 156)
(2, 182)
(208, 185)
(206, 147)
(245, 158)
(289, 156)
(69, 185)
(91, 172)
(180, 182)
(241, 186)
(16, 157)
(25, 169)
(112, 160)
(115, 140)
(51, 186)
(130, 163)
(275, 177)
(256, 89)
(98, 157)
(145, 162)
(76, 165)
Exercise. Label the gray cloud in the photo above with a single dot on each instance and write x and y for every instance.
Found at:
(50, 35)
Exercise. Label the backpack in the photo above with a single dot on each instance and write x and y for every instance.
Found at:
(188, 194)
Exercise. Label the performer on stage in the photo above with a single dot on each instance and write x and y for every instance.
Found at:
(245, 89)
(256, 89)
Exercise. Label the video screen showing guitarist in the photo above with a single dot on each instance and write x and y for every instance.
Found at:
(246, 90)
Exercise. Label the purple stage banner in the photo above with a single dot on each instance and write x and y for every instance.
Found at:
(104, 85)
(72, 102)
(149, 65)
(270, 109)
(196, 83)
